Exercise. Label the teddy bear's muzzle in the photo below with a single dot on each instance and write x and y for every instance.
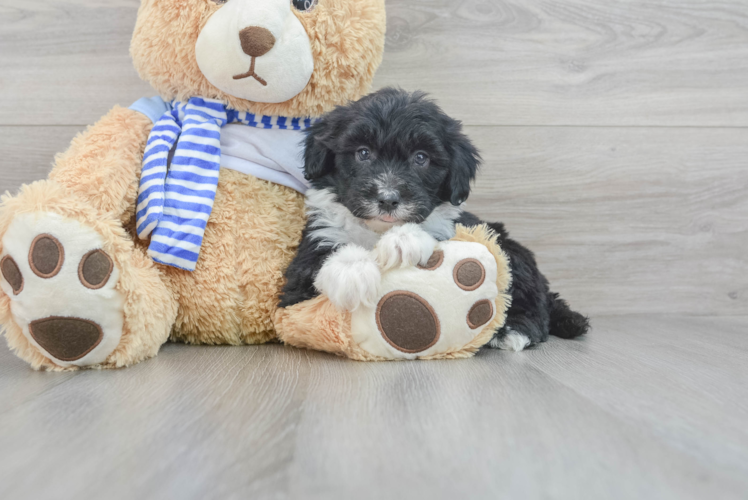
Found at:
(256, 41)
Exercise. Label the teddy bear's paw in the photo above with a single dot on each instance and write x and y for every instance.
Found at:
(402, 246)
(432, 309)
(62, 288)
(349, 278)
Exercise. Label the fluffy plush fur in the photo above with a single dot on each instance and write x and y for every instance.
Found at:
(255, 226)
(149, 306)
(392, 161)
(321, 325)
(346, 38)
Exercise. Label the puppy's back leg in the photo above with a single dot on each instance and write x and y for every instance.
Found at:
(519, 333)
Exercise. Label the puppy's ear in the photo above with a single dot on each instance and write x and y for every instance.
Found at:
(465, 161)
(319, 159)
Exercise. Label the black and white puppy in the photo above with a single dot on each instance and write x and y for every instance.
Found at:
(390, 174)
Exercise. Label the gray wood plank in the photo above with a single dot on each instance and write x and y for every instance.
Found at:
(644, 407)
(18, 384)
(66, 61)
(190, 424)
(582, 62)
(576, 62)
(623, 220)
(493, 427)
(28, 152)
(683, 379)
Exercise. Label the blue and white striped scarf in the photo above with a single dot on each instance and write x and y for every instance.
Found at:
(175, 201)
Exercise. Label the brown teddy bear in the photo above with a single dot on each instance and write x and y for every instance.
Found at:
(183, 229)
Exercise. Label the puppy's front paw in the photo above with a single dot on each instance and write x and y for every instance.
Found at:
(349, 278)
(406, 245)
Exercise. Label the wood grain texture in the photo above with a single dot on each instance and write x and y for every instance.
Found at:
(518, 62)
(66, 61)
(28, 153)
(625, 220)
(645, 407)
(575, 62)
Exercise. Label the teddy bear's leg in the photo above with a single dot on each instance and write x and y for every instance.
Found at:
(77, 292)
(444, 304)
(430, 303)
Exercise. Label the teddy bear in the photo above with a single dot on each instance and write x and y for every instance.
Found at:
(175, 219)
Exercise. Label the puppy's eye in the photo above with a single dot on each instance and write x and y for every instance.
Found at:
(363, 154)
(304, 5)
(220, 2)
(421, 159)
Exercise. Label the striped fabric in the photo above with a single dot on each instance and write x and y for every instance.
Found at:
(175, 200)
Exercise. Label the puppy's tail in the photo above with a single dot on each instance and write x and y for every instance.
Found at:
(566, 323)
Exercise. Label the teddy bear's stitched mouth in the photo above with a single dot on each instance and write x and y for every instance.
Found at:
(251, 73)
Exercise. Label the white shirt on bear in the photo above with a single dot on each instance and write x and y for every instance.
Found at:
(273, 155)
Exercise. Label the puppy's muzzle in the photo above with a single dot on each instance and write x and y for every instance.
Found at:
(388, 201)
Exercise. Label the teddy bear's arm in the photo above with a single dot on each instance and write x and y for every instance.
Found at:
(102, 165)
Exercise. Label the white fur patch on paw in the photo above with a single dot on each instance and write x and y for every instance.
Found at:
(350, 278)
(62, 288)
(512, 341)
(403, 246)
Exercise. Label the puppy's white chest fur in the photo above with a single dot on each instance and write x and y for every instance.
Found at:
(334, 225)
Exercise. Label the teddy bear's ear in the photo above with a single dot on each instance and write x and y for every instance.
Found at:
(319, 159)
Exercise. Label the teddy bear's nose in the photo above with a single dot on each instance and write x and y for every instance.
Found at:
(256, 41)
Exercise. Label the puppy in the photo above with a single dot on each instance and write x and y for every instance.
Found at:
(390, 174)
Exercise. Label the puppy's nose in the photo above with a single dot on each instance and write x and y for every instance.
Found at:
(256, 41)
(388, 201)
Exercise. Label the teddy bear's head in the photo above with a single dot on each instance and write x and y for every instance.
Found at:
(272, 57)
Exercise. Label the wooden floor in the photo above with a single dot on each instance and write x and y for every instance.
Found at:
(615, 139)
(645, 407)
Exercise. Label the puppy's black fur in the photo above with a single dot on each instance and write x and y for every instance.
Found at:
(397, 156)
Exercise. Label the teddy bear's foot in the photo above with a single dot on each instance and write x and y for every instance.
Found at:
(76, 292)
(434, 309)
(427, 305)
(62, 288)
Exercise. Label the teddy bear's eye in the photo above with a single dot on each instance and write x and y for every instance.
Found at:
(304, 5)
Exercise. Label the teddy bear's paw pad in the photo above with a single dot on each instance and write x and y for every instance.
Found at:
(46, 256)
(95, 269)
(480, 314)
(431, 309)
(407, 322)
(63, 288)
(12, 274)
(469, 274)
(67, 339)
(436, 260)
